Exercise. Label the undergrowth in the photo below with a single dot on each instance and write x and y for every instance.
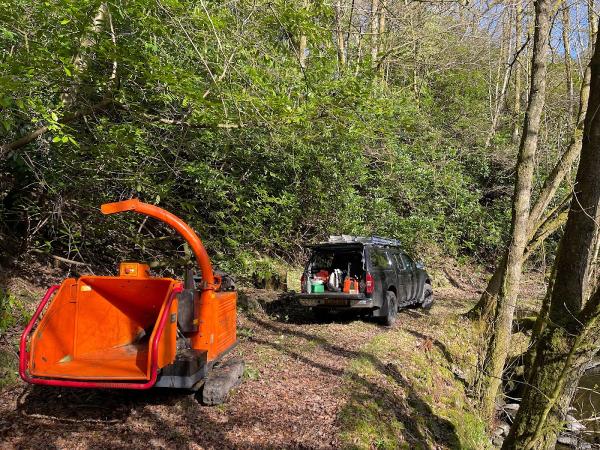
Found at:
(13, 316)
(402, 392)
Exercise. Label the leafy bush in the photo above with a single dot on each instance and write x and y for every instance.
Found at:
(12, 311)
(214, 119)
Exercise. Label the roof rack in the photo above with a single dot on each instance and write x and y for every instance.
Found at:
(376, 240)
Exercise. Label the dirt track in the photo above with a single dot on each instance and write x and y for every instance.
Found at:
(294, 390)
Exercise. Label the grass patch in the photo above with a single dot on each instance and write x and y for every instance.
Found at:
(9, 369)
(251, 373)
(12, 311)
(402, 394)
(15, 312)
(368, 420)
(367, 426)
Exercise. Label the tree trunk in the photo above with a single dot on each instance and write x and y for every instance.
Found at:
(381, 48)
(578, 254)
(68, 98)
(540, 325)
(570, 338)
(556, 219)
(415, 55)
(348, 32)
(303, 43)
(485, 309)
(500, 330)
(374, 33)
(359, 48)
(507, 59)
(339, 33)
(302, 51)
(559, 363)
(518, 43)
(594, 282)
(79, 61)
(593, 26)
(566, 28)
(562, 168)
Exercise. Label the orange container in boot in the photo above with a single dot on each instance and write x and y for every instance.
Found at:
(351, 285)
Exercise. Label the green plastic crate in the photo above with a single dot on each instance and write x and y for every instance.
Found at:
(317, 288)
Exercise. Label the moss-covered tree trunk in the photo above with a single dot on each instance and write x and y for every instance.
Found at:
(540, 324)
(571, 335)
(485, 309)
(558, 366)
(500, 329)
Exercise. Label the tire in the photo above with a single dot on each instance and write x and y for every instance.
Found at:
(392, 309)
(321, 314)
(427, 297)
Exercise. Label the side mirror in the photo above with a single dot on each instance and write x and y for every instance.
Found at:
(420, 265)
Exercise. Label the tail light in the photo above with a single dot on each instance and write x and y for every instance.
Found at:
(303, 283)
(369, 284)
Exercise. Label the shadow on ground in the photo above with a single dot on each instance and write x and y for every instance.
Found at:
(47, 417)
(92, 406)
(417, 417)
(286, 309)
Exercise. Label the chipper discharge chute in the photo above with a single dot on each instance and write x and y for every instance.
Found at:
(131, 331)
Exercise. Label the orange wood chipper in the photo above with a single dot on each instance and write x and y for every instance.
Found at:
(131, 331)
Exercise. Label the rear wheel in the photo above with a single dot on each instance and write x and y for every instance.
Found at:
(427, 298)
(392, 309)
(321, 314)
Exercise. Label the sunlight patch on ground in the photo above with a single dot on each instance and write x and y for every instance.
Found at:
(402, 391)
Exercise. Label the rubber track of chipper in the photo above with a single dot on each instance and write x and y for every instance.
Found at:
(221, 380)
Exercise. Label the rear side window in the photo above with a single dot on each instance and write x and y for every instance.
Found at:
(399, 262)
(380, 259)
(408, 263)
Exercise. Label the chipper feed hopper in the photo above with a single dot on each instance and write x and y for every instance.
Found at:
(131, 331)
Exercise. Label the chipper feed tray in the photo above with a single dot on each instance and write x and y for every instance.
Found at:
(131, 331)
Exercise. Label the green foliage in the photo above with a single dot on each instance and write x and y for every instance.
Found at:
(215, 120)
(251, 373)
(8, 369)
(12, 311)
(400, 394)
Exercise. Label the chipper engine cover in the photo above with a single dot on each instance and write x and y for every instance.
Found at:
(125, 331)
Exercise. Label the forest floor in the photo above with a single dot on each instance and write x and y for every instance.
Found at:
(344, 383)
